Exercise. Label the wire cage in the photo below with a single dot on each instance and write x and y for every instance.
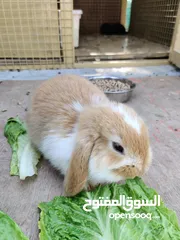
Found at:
(154, 19)
(38, 34)
(151, 29)
(34, 34)
(96, 13)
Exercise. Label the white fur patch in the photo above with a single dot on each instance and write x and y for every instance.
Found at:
(131, 119)
(77, 106)
(58, 150)
(101, 174)
(114, 138)
(125, 162)
(52, 131)
(128, 162)
(97, 99)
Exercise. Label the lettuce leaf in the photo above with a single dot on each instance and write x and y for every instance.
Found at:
(24, 156)
(9, 230)
(64, 217)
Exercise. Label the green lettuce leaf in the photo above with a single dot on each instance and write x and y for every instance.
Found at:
(9, 230)
(24, 156)
(64, 218)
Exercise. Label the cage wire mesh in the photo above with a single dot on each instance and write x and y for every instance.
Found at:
(35, 34)
(96, 13)
(38, 34)
(154, 20)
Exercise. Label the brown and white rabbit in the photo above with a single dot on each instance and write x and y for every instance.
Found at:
(90, 139)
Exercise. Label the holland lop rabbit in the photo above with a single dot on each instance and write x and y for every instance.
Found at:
(90, 139)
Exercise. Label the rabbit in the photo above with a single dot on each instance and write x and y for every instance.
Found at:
(112, 29)
(90, 139)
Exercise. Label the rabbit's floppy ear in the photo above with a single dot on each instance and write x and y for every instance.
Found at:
(77, 173)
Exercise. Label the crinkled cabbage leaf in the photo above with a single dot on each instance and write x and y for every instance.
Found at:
(24, 156)
(64, 218)
(9, 230)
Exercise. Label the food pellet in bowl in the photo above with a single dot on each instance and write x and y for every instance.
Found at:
(111, 85)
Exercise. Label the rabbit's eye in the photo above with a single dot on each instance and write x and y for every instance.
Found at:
(118, 147)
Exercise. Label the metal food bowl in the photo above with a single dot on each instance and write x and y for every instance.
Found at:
(118, 96)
